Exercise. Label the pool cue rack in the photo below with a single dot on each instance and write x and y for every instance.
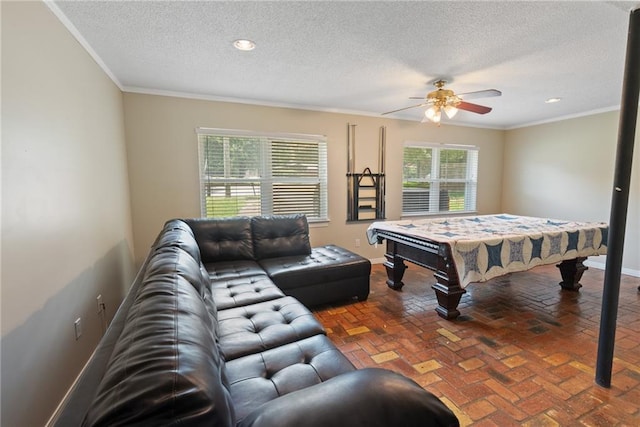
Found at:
(366, 190)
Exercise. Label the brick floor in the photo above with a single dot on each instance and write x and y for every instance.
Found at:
(522, 352)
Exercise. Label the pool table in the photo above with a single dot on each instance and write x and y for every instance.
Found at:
(462, 250)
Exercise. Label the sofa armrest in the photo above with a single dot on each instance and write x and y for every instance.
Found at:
(366, 397)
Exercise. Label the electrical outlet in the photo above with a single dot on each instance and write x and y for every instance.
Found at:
(78, 327)
(100, 303)
(357, 243)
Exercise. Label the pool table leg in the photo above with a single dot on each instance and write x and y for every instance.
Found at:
(448, 300)
(447, 286)
(395, 267)
(571, 271)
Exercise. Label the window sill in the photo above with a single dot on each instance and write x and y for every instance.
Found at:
(438, 214)
(319, 223)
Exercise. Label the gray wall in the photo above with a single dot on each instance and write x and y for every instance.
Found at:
(565, 170)
(66, 228)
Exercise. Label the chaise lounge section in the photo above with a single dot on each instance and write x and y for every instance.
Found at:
(279, 247)
(216, 343)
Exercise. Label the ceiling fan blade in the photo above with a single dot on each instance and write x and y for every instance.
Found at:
(474, 108)
(480, 94)
(405, 108)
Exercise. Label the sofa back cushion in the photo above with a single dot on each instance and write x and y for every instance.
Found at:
(171, 261)
(178, 236)
(165, 368)
(225, 239)
(280, 235)
(177, 233)
(176, 224)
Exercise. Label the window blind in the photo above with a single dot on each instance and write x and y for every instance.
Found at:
(439, 178)
(251, 174)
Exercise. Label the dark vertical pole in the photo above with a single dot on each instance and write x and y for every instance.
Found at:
(619, 203)
(350, 170)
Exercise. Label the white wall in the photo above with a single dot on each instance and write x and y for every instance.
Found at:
(66, 228)
(565, 170)
(163, 159)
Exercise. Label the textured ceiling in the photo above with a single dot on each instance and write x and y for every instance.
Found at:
(365, 57)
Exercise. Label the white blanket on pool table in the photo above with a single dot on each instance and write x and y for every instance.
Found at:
(487, 246)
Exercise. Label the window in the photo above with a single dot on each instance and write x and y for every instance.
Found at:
(438, 178)
(244, 173)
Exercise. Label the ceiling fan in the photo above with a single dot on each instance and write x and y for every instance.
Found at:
(446, 100)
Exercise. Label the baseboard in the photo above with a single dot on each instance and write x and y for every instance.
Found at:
(377, 260)
(594, 264)
(602, 266)
(630, 272)
(73, 385)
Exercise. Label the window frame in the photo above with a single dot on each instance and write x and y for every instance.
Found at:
(470, 181)
(267, 141)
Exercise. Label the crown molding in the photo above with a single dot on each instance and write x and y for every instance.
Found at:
(566, 117)
(83, 42)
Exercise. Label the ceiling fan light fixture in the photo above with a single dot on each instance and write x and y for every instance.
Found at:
(450, 111)
(448, 101)
(433, 113)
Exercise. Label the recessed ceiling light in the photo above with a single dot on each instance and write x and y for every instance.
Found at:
(243, 44)
(553, 100)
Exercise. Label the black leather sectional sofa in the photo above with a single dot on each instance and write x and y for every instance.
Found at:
(206, 337)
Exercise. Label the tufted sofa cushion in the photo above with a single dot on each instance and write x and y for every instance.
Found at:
(258, 378)
(324, 264)
(225, 270)
(328, 274)
(369, 397)
(259, 327)
(280, 235)
(223, 239)
(241, 291)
